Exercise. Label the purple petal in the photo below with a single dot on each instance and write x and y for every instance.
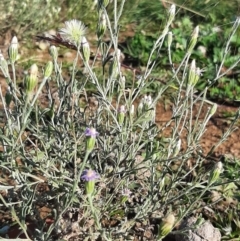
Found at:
(89, 175)
(91, 132)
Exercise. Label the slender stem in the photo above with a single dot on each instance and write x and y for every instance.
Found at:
(94, 213)
(24, 122)
(14, 76)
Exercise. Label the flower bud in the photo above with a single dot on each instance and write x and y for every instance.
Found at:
(193, 40)
(13, 50)
(171, 13)
(91, 134)
(121, 114)
(89, 186)
(194, 74)
(113, 69)
(31, 79)
(215, 173)
(48, 69)
(122, 82)
(53, 52)
(213, 109)
(166, 226)
(4, 66)
(85, 49)
(102, 26)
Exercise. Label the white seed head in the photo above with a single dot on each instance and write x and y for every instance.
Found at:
(73, 31)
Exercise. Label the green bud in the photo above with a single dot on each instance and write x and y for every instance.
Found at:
(215, 173)
(213, 109)
(193, 40)
(102, 26)
(166, 226)
(90, 143)
(89, 186)
(4, 66)
(194, 74)
(171, 13)
(48, 69)
(13, 50)
(85, 49)
(198, 74)
(113, 69)
(121, 83)
(31, 79)
(53, 52)
(191, 74)
(121, 114)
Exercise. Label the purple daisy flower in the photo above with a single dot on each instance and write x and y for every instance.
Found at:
(122, 109)
(126, 192)
(89, 175)
(91, 132)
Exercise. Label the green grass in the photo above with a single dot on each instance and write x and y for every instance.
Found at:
(215, 28)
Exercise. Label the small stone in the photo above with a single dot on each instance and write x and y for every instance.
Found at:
(203, 232)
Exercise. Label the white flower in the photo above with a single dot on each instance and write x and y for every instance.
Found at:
(73, 31)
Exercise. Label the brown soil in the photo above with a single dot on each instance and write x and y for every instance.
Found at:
(215, 128)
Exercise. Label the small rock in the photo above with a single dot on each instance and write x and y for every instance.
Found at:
(203, 232)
